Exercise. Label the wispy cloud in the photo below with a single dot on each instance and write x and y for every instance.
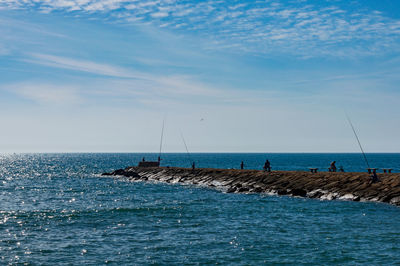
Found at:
(83, 65)
(253, 26)
(44, 93)
(122, 84)
(152, 85)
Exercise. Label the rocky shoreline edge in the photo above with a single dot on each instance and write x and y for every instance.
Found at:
(323, 185)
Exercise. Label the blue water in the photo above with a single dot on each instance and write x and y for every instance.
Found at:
(56, 209)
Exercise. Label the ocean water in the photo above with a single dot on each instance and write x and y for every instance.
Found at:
(57, 209)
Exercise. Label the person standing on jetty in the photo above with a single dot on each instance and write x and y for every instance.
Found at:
(241, 165)
(193, 166)
(267, 166)
(332, 168)
(374, 177)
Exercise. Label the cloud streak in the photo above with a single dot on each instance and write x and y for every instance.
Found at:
(264, 27)
(121, 80)
(45, 93)
(83, 65)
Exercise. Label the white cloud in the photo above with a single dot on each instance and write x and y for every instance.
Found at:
(304, 30)
(159, 14)
(83, 65)
(151, 84)
(47, 93)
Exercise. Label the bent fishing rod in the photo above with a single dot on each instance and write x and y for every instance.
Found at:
(162, 135)
(358, 140)
(187, 150)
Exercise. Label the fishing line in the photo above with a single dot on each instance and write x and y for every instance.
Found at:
(358, 140)
(162, 135)
(187, 150)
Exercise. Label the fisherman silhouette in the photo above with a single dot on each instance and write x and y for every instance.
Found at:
(193, 166)
(143, 159)
(267, 166)
(332, 168)
(374, 177)
(241, 165)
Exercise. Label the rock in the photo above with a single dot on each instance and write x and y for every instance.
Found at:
(317, 193)
(131, 174)
(329, 196)
(282, 192)
(243, 189)
(257, 190)
(395, 200)
(299, 192)
(347, 196)
(118, 172)
(231, 190)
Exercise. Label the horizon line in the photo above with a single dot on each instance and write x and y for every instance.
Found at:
(182, 152)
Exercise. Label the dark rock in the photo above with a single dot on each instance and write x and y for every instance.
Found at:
(106, 174)
(231, 190)
(131, 174)
(299, 192)
(282, 192)
(118, 172)
(257, 190)
(243, 189)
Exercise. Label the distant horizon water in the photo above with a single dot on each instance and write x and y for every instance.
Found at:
(351, 162)
(194, 152)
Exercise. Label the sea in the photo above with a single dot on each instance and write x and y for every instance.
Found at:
(57, 209)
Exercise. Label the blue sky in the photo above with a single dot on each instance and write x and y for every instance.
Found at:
(233, 76)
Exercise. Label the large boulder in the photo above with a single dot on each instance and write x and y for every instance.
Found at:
(299, 192)
(395, 201)
(231, 190)
(118, 172)
(282, 192)
(131, 174)
(106, 174)
(243, 189)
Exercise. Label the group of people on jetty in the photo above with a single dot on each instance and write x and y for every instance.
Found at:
(332, 168)
(267, 168)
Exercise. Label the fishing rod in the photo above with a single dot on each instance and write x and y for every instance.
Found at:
(162, 135)
(187, 150)
(358, 140)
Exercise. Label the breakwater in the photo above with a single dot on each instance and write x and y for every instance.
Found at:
(323, 185)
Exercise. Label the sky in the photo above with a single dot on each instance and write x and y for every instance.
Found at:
(230, 76)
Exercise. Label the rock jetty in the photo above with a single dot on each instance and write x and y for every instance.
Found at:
(323, 185)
